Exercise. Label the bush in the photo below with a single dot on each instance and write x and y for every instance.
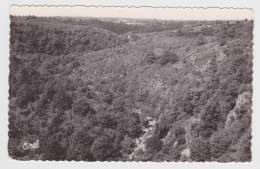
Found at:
(107, 120)
(108, 97)
(201, 40)
(103, 148)
(168, 57)
(127, 144)
(180, 32)
(53, 150)
(82, 108)
(26, 94)
(154, 143)
(131, 126)
(151, 59)
(62, 100)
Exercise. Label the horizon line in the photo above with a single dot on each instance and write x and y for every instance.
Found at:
(131, 12)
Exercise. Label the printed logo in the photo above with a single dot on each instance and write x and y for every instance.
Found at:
(30, 146)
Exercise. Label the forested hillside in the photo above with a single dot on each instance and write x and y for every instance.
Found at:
(86, 92)
(58, 38)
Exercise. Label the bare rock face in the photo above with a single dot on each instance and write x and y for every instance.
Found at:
(242, 101)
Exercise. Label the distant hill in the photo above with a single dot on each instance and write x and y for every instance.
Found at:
(37, 36)
(116, 25)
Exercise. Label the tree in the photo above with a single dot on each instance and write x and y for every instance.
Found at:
(80, 145)
(103, 147)
(168, 57)
(201, 40)
(82, 108)
(130, 125)
(27, 74)
(62, 100)
(26, 94)
(127, 144)
(210, 119)
(153, 144)
(107, 120)
(53, 150)
(108, 97)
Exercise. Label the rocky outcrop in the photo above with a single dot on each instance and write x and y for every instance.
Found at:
(242, 100)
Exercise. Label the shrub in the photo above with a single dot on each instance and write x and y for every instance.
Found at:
(151, 59)
(62, 100)
(154, 143)
(26, 94)
(103, 148)
(131, 126)
(201, 40)
(108, 97)
(179, 32)
(127, 144)
(82, 108)
(168, 57)
(53, 150)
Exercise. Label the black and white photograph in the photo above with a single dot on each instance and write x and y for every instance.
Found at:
(130, 84)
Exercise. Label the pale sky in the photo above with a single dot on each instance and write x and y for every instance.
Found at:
(141, 12)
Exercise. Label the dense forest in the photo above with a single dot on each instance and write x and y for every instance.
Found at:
(97, 90)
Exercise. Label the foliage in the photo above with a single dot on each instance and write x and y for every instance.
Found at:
(89, 94)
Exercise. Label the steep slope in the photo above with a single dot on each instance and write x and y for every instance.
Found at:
(196, 85)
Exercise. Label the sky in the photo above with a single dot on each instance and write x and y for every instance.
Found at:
(140, 12)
